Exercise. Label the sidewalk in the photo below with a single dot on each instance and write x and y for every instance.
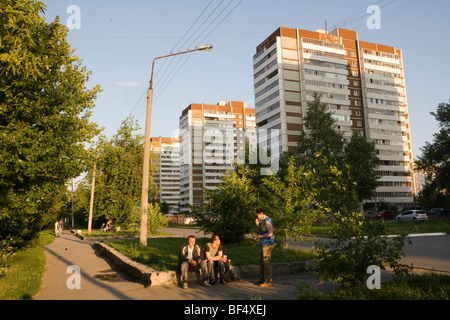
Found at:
(100, 280)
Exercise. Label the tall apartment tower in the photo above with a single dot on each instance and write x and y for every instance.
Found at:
(362, 83)
(168, 176)
(211, 137)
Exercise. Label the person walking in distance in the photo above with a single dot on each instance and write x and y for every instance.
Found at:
(266, 241)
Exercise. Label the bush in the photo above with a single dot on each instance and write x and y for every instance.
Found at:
(357, 243)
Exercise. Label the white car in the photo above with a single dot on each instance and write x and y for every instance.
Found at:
(410, 215)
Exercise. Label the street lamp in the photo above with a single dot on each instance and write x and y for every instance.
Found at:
(146, 165)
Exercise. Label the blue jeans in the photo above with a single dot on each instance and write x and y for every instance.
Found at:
(212, 265)
(186, 267)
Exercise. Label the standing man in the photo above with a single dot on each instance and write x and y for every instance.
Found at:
(214, 257)
(265, 237)
(190, 260)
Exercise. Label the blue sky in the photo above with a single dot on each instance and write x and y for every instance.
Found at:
(118, 40)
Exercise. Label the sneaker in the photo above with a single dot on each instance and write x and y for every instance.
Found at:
(223, 281)
(206, 284)
(185, 285)
(265, 285)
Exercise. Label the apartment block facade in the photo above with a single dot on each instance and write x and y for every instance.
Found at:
(211, 137)
(363, 85)
(167, 178)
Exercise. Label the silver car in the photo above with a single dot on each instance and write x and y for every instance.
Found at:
(410, 215)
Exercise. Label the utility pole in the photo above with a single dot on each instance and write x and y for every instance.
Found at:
(146, 164)
(91, 204)
(73, 222)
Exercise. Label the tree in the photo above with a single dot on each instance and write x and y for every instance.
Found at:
(356, 244)
(322, 136)
(292, 202)
(362, 158)
(45, 112)
(119, 178)
(434, 162)
(229, 210)
(321, 133)
(165, 208)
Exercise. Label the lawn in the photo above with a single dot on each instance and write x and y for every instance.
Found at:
(432, 225)
(25, 270)
(429, 286)
(162, 253)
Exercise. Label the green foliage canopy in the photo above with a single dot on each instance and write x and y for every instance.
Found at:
(45, 111)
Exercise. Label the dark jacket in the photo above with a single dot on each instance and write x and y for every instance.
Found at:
(196, 253)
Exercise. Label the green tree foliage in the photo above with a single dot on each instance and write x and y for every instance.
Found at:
(435, 163)
(362, 159)
(292, 202)
(322, 136)
(321, 133)
(229, 210)
(118, 181)
(356, 244)
(45, 112)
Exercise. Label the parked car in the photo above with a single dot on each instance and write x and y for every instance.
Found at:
(410, 215)
(368, 214)
(385, 214)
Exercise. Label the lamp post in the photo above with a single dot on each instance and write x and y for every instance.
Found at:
(146, 164)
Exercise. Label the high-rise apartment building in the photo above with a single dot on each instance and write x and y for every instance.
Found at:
(167, 177)
(211, 137)
(362, 83)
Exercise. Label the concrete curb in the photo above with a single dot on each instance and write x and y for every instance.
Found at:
(150, 277)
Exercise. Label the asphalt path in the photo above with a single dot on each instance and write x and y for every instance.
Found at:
(98, 279)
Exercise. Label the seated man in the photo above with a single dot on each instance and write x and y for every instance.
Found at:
(214, 257)
(190, 260)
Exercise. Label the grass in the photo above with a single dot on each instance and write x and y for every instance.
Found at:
(429, 286)
(432, 225)
(25, 270)
(162, 253)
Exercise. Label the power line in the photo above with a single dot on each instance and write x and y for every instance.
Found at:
(139, 111)
(175, 46)
(186, 58)
(163, 84)
(361, 13)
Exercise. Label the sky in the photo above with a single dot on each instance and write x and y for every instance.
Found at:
(118, 40)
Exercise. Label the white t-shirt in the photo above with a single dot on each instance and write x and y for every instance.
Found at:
(190, 250)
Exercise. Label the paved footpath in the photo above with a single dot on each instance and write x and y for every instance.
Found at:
(100, 280)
